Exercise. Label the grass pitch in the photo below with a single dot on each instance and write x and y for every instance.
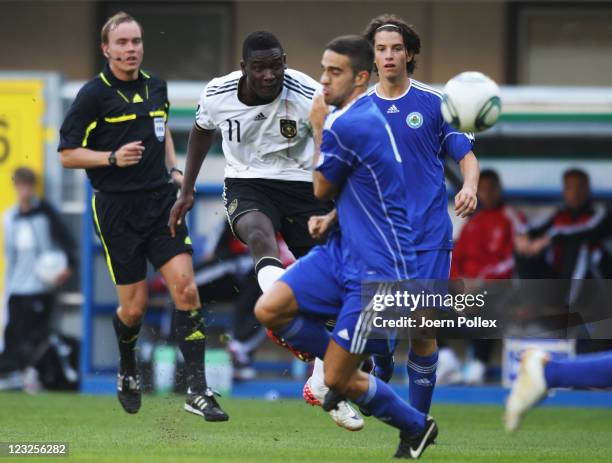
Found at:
(287, 431)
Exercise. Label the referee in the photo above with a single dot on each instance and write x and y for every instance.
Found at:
(116, 130)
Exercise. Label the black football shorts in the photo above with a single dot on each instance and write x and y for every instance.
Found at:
(133, 228)
(288, 204)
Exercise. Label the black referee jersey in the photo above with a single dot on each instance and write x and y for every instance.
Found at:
(106, 114)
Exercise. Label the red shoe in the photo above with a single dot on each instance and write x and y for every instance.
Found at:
(303, 356)
(309, 396)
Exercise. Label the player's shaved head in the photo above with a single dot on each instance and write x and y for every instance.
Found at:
(358, 50)
(258, 41)
(263, 68)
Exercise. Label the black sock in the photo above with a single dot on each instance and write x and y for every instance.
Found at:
(190, 334)
(127, 336)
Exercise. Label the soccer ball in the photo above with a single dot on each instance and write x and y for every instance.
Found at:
(49, 266)
(471, 102)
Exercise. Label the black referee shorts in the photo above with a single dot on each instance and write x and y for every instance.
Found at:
(133, 227)
(288, 204)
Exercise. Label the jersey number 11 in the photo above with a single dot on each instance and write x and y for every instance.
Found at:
(231, 129)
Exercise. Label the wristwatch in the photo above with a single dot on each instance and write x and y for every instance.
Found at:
(174, 169)
(112, 159)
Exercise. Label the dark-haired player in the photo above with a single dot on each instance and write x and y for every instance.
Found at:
(360, 168)
(262, 112)
(424, 139)
(116, 130)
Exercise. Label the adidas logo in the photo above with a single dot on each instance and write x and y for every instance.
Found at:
(392, 109)
(260, 117)
(344, 334)
(195, 336)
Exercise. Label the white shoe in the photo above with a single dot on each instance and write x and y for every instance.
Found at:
(449, 367)
(528, 388)
(344, 416)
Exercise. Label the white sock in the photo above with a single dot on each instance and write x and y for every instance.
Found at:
(266, 276)
(317, 380)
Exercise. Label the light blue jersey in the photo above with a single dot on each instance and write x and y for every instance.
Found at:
(423, 139)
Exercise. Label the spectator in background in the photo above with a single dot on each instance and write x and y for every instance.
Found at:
(247, 332)
(570, 243)
(573, 243)
(484, 250)
(485, 246)
(39, 258)
(228, 274)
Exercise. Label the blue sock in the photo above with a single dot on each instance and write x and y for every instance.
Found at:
(592, 370)
(383, 367)
(388, 407)
(422, 379)
(306, 335)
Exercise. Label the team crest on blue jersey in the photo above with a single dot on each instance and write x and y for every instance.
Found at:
(288, 128)
(414, 120)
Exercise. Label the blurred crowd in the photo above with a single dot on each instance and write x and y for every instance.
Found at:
(574, 241)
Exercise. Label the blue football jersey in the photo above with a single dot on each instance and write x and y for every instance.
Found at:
(423, 139)
(359, 156)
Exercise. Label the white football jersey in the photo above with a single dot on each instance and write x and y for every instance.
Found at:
(271, 141)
